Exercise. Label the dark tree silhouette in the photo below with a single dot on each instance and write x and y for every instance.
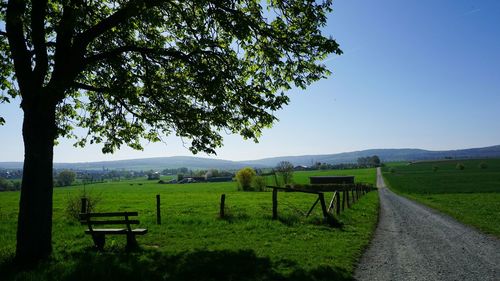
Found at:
(142, 69)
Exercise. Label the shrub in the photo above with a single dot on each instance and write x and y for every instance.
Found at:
(74, 204)
(6, 184)
(244, 178)
(284, 170)
(259, 183)
(460, 166)
(483, 165)
(66, 177)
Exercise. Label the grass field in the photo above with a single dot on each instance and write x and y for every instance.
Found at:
(471, 195)
(192, 243)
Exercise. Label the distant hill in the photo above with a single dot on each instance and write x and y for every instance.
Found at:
(386, 155)
(145, 164)
(158, 163)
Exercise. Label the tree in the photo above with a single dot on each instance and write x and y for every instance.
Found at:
(141, 69)
(375, 161)
(284, 170)
(6, 184)
(66, 177)
(245, 178)
(259, 183)
(369, 161)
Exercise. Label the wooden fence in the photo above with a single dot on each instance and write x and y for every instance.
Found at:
(343, 197)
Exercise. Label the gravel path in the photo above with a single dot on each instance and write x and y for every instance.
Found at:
(413, 242)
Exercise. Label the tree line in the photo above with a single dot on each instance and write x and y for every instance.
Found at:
(369, 161)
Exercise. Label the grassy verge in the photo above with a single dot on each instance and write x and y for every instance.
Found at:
(470, 195)
(480, 210)
(192, 243)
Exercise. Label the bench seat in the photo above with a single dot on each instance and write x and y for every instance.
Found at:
(111, 218)
(137, 231)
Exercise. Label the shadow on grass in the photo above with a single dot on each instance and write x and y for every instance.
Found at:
(290, 220)
(154, 265)
(233, 215)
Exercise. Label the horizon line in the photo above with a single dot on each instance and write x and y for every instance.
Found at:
(249, 160)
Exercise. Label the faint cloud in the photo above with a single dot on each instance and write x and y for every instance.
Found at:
(473, 11)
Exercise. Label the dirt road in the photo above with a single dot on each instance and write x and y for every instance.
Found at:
(413, 242)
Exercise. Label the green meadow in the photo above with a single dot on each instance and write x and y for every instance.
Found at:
(192, 243)
(471, 195)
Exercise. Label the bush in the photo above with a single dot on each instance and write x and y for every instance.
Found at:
(6, 184)
(245, 178)
(460, 166)
(483, 165)
(180, 177)
(74, 204)
(66, 178)
(259, 183)
(284, 170)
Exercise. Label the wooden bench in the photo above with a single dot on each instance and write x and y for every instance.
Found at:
(112, 218)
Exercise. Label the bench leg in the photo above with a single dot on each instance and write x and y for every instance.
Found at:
(131, 242)
(99, 240)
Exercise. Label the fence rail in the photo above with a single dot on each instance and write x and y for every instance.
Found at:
(344, 195)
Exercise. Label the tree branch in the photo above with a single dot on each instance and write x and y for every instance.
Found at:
(142, 50)
(38, 12)
(66, 62)
(18, 48)
(82, 86)
(130, 9)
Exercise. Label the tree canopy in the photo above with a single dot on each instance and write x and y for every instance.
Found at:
(127, 70)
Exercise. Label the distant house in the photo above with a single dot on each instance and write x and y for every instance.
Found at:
(187, 180)
(300, 168)
(153, 176)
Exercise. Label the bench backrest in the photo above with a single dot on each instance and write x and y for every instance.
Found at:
(102, 219)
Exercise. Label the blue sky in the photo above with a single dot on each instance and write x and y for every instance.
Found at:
(414, 74)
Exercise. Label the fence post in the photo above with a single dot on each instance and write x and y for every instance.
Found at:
(343, 200)
(347, 198)
(337, 206)
(83, 209)
(222, 202)
(158, 214)
(275, 203)
(323, 204)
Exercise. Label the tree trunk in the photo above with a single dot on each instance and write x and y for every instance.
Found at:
(34, 229)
